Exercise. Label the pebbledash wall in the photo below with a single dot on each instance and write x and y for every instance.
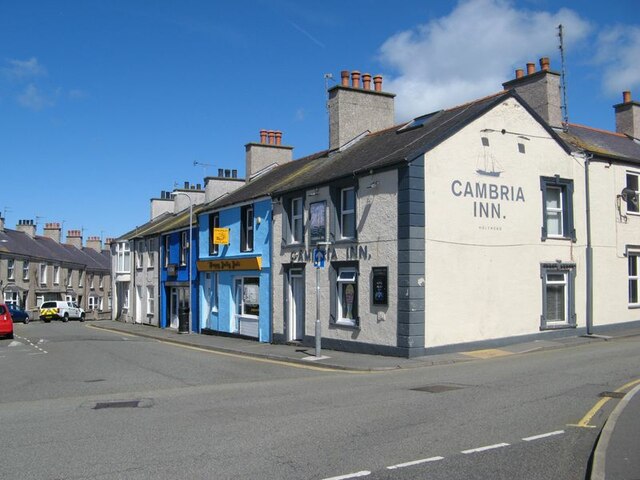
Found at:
(376, 327)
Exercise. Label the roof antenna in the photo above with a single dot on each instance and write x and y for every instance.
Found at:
(563, 85)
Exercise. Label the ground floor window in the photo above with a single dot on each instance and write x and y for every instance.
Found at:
(344, 300)
(93, 303)
(558, 296)
(11, 297)
(634, 277)
(247, 296)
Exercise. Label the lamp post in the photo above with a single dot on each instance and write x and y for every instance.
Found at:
(190, 252)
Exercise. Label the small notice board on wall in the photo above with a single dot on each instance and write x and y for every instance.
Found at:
(379, 285)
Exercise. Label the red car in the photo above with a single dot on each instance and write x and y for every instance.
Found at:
(6, 323)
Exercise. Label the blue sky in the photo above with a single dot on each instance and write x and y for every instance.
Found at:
(103, 104)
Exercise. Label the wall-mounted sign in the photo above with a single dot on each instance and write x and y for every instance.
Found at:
(221, 236)
(379, 287)
(172, 269)
(249, 263)
(317, 222)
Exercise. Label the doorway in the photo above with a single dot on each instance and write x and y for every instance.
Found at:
(295, 313)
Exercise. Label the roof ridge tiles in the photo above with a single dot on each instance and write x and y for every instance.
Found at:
(594, 129)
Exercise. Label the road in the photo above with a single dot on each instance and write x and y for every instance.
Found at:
(80, 403)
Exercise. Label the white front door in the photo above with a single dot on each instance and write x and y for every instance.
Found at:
(174, 301)
(296, 305)
(138, 304)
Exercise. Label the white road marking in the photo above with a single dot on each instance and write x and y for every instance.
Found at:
(363, 473)
(415, 462)
(483, 449)
(543, 435)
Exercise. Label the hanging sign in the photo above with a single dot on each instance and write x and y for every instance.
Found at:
(249, 263)
(221, 236)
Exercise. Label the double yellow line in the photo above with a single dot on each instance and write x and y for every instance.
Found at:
(584, 423)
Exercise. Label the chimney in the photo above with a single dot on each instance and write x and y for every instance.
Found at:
(628, 116)
(94, 243)
(26, 226)
(261, 155)
(74, 238)
(354, 110)
(1, 224)
(161, 205)
(108, 241)
(53, 231)
(541, 91)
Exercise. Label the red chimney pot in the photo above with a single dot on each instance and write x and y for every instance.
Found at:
(278, 137)
(519, 73)
(366, 81)
(355, 79)
(544, 64)
(263, 136)
(377, 82)
(626, 96)
(531, 68)
(345, 78)
(272, 136)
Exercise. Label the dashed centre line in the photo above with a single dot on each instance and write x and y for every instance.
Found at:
(543, 435)
(415, 462)
(484, 449)
(363, 473)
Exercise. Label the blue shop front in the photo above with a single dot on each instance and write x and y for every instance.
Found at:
(234, 268)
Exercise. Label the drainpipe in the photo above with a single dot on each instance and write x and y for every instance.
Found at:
(589, 252)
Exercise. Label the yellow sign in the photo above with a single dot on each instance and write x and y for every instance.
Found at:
(221, 236)
(250, 263)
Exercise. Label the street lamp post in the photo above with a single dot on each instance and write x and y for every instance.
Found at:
(190, 253)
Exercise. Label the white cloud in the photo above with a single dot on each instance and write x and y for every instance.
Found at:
(24, 69)
(471, 52)
(618, 51)
(34, 99)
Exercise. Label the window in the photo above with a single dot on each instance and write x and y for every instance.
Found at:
(184, 246)
(247, 296)
(69, 278)
(214, 222)
(150, 300)
(167, 250)
(151, 250)
(11, 298)
(56, 275)
(109, 302)
(101, 282)
(632, 200)
(344, 298)
(70, 298)
(80, 278)
(11, 263)
(558, 297)
(91, 281)
(296, 222)
(246, 228)
(138, 254)
(348, 213)
(123, 254)
(557, 208)
(25, 270)
(39, 300)
(43, 274)
(633, 260)
(125, 303)
(93, 303)
(101, 303)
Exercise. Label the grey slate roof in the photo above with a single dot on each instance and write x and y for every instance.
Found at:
(610, 145)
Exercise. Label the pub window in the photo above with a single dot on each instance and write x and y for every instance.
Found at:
(214, 222)
(184, 245)
(557, 208)
(633, 261)
(632, 200)
(246, 228)
(558, 296)
(343, 277)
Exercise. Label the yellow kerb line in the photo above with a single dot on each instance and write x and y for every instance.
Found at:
(584, 423)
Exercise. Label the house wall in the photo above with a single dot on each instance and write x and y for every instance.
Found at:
(376, 246)
(483, 275)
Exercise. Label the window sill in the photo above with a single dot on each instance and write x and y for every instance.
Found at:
(569, 239)
(557, 326)
(633, 307)
(352, 324)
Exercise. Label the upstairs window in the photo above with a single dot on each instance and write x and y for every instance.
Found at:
(56, 275)
(11, 268)
(123, 254)
(214, 222)
(557, 208)
(80, 278)
(246, 228)
(70, 278)
(348, 213)
(43, 274)
(167, 250)
(25, 270)
(296, 221)
(632, 200)
(184, 246)
(151, 252)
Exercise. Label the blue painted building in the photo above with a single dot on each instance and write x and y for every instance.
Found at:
(176, 288)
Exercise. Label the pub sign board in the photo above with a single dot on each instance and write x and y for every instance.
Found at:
(380, 285)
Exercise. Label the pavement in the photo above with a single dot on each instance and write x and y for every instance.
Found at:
(617, 453)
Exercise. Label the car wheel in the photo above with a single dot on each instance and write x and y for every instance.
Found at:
(82, 317)
(26, 319)
(65, 319)
(10, 336)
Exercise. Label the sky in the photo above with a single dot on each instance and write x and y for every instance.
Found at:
(104, 104)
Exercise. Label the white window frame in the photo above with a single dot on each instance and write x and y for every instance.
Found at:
(184, 246)
(25, 270)
(150, 299)
(125, 300)
(138, 254)
(101, 303)
(56, 274)
(345, 212)
(70, 277)
(633, 259)
(565, 284)
(167, 250)
(11, 298)
(631, 208)
(239, 302)
(559, 210)
(151, 245)
(91, 279)
(43, 273)
(247, 215)
(93, 302)
(39, 300)
(346, 276)
(80, 279)
(11, 269)
(123, 257)
(297, 220)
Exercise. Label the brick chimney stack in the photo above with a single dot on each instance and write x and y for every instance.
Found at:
(541, 91)
(268, 152)
(26, 226)
(94, 243)
(354, 109)
(628, 116)
(53, 231)
(74, 238)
